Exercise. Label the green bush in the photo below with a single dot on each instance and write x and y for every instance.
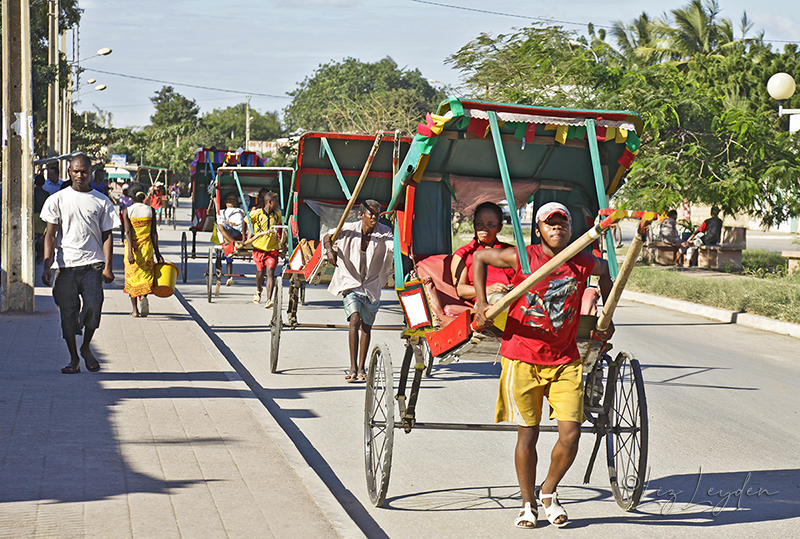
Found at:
(760, 263)
(777, 298)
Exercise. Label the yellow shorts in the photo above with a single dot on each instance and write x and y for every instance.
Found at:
(523, 385)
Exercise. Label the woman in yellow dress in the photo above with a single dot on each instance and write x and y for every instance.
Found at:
(141, 243)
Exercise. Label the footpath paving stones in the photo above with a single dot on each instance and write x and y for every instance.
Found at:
(159, 443)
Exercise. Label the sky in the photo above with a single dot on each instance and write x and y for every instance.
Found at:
(264, 48)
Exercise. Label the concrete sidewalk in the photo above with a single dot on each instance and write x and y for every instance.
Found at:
(165, 441)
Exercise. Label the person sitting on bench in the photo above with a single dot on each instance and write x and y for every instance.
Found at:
(668, 233)
(230, 221)
(708, 233)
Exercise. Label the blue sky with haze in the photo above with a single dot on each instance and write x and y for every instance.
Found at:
(268, 46)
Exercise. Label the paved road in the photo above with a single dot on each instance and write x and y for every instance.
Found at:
(722, 410)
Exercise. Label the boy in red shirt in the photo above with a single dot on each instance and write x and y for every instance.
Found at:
(540, 355)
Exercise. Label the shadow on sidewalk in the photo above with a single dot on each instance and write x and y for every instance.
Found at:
(58, 442)
(285, 418)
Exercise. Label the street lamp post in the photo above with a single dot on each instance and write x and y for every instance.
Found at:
(98, 88)
(66, 131)
(781, 86)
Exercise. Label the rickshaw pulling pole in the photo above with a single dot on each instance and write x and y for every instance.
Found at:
(359, 185)
(627, 267)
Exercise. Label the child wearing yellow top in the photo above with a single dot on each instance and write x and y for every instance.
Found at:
(266, 248)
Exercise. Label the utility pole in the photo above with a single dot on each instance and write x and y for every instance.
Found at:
(52, 89)
(17, 282)
(247, 124)
(66, 107)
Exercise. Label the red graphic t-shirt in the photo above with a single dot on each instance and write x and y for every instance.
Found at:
(493, 275)
(542, 325)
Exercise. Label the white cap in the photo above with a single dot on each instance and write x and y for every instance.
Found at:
(544, 212)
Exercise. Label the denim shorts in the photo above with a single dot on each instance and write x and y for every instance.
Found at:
(359, 303)
(78, 293)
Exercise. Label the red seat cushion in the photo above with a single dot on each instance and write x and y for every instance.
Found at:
(437, 268)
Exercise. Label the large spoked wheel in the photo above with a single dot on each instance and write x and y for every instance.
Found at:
(427, 357)
(379, 424)
(626, 439)
(184, 256)
(277, 324)
(210, 272)
(218, 281)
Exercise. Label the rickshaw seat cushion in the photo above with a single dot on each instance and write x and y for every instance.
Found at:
(589, 301)
(437, 268)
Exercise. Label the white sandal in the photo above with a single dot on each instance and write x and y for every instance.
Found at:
(527, 514)
(554, 511)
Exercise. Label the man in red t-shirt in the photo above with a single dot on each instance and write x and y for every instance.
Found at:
(540, 355)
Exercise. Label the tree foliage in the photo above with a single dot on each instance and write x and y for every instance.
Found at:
(711, 132)
(227, 127)
(173, 109)
(357, 97)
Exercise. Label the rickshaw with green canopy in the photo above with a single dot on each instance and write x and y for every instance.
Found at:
(203, 172)
(473, 151)
(334, 172)
(245, 183)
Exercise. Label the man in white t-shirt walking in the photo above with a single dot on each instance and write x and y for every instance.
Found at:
(79, 247)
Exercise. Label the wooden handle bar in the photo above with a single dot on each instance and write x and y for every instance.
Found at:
(359, 185)
(610, 305)
(569, 251)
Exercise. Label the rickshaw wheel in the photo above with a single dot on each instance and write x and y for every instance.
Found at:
(627, 436)
(184, 256)
(218, 282)
(379, 424)
(210, 272)
(427, 357)
(277, 324)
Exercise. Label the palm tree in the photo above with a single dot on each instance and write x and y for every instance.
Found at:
(637, 42)
(697, 30)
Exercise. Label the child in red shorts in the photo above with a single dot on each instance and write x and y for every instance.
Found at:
(267, 247)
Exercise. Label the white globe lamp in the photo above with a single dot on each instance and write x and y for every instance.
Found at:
(781, 86)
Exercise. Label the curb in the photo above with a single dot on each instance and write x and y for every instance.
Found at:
(753, 321)
(319, 491)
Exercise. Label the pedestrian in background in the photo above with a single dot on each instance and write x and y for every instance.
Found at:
(157, 200)
(124, 201)
(39, 226)
(141, 244)
(53, 183)
(78, 245)
(99, 182)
